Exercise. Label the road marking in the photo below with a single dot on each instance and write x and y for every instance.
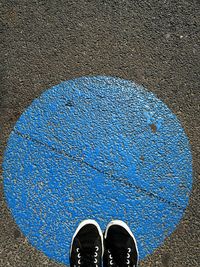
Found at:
(101, 148)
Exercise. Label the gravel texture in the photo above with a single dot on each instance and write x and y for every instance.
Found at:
(154, 43)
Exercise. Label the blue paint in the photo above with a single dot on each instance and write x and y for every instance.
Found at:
(102, 148)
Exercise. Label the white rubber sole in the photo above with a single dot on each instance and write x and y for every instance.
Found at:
(126, 227)
(83, 223)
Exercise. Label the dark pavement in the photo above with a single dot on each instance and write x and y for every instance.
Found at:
(154, 43)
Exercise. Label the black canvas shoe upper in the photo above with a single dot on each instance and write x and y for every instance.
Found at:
(86, 249)
(120, 248)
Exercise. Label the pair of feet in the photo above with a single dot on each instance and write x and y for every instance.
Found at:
(117, 246)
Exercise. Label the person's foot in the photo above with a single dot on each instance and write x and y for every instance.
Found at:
(87, 245)
(120, 247)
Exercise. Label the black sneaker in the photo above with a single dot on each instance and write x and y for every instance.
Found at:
(120, 246)
(87, 245)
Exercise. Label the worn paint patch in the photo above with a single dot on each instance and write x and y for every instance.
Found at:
(102, 148)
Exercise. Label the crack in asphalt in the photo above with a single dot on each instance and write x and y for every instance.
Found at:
(122, 180)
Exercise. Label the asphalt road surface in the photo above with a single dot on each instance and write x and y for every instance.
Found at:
(153, 43)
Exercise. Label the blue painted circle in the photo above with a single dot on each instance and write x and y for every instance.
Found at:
(102, 148)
